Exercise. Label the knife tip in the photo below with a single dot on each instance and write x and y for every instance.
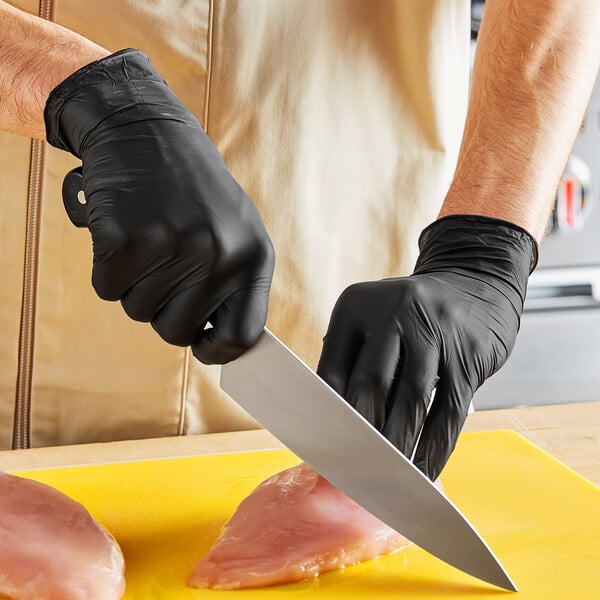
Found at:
(506, 582)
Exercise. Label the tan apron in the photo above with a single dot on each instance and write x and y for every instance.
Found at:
(340, 118)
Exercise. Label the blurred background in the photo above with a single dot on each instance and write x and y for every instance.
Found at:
(557, 355)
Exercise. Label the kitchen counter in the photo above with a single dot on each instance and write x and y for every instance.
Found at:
(569, 432)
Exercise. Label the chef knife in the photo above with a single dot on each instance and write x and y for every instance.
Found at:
(272, 384)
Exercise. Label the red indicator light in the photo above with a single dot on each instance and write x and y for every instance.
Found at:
(570, 201)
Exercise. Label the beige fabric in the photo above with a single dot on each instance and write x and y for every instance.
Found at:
(340, 118)
(14, 164)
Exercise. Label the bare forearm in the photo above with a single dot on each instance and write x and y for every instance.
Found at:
(535, 66)
(35, 56)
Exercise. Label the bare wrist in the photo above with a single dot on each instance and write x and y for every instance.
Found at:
(35, 56)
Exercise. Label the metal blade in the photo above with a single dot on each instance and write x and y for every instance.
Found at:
(320, 427)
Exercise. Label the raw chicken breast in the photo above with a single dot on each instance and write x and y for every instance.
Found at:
(293, 526)
(52, 549)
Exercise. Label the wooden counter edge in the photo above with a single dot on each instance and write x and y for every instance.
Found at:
(570, 432)
(138, 450)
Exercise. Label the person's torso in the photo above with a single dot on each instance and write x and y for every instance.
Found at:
(340, 118)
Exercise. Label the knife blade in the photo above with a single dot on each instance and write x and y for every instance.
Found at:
(272, 384)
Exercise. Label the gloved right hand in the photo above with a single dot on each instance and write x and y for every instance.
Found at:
(448, 326)
(175, 237)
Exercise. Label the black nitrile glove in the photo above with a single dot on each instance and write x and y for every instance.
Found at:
(175, 237)
(447, 327)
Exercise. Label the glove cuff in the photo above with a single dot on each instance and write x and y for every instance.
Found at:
(78, 104)
(473, 235)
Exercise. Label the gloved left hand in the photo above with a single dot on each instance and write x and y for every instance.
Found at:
(447, 327)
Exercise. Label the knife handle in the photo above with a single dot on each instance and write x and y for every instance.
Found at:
(74, 198)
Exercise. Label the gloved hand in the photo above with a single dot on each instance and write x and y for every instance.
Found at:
(447, 327)
(175, 237)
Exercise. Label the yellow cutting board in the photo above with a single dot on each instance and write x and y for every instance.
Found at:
(541, 519)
